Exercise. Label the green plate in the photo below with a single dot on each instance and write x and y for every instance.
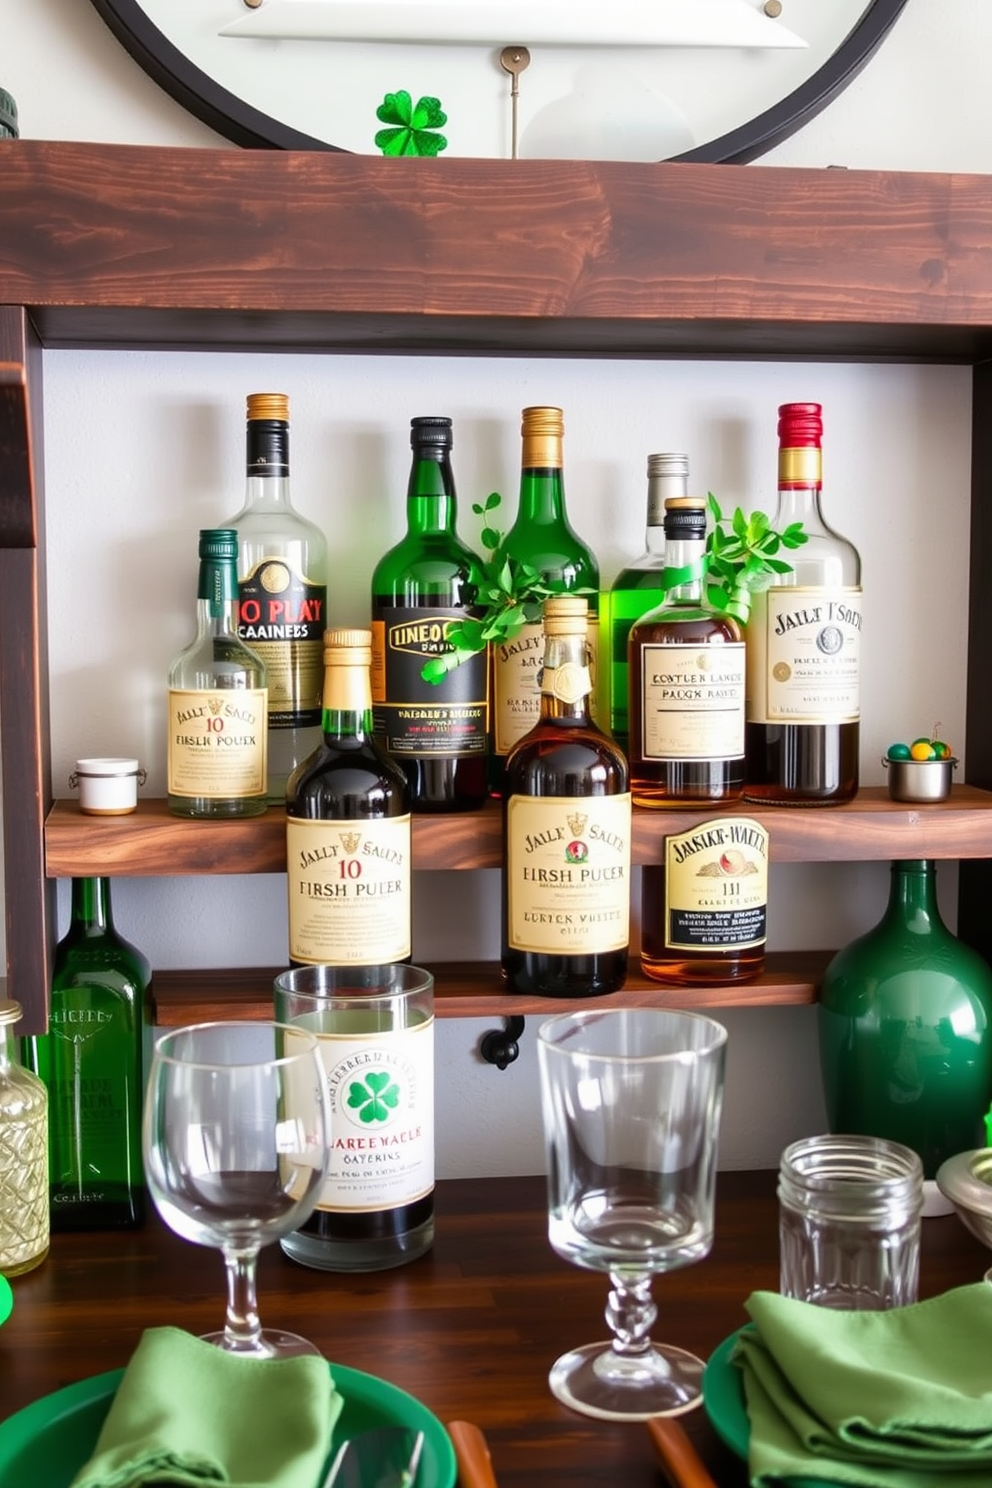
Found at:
(6, 1299)
(45, 1444)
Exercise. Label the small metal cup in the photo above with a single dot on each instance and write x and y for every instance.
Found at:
(920, 780)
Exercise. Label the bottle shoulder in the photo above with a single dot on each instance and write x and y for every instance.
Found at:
(690, 624)
(644, 574)
(556, 552)
(433, 564)
(357, 774)
(213, 660)
(280, 532)
(557, 758)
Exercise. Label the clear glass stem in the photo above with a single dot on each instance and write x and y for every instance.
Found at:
(631, 1313)
(242, 1328)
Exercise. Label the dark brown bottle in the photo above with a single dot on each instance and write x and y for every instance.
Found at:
(804, 644)
(686, 681)
(566, 825)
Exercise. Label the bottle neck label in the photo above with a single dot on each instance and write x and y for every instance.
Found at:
(349, 891)
(381, 1091)
(800, 467)
(517, 667)
(716, 886)
(417, 718)
(568, 683)
(282, 617)
(692, 701)
(568, 874)
(218, 743)
(804, 655)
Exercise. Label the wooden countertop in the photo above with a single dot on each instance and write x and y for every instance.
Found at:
(471, 1328)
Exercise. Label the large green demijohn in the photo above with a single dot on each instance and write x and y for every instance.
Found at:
(906, 1028)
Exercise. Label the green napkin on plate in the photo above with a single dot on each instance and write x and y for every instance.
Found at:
(892, 1399)
(188, 1413)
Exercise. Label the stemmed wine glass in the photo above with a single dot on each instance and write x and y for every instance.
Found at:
(631, 1102)
(236, 1144)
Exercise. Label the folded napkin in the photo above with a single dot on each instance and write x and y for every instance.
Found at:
(892, 1399)
(188, 1413)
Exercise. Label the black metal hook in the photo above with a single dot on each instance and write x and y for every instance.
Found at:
(501, 1047)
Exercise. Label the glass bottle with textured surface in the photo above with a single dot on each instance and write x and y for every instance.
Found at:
(905, 1036)
(542, 536)
(217, 700)
(23, 1156)
(282, 590)
(638, 587)
(566, 830)
(686, 682)
(436, 731)
(804, 644)
(91, 1061)
(348, 828)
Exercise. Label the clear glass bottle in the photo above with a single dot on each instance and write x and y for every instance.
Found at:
(905, 1023)
(24, 1227)
(638, 587)
(282, 590)
(804, 643)
(566, 830)
(428, 580)
(218, 740)
(686, 681)
(348, 852)
(542, 536)
(91, 1062)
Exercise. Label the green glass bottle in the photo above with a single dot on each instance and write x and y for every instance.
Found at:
(542, 537)
(91, 1062)
(637, 588)
(437, 731)
(218, 699)
(904, 1020)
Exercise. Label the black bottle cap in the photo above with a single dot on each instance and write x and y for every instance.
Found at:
(430, 431)
(8, 116)
(685, 516)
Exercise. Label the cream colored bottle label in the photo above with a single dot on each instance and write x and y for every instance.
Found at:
(692, 701)
(804, 655)
(716, 886)
(516, 689)
(349, 890)
(381, 1092)
(568, 873)
(217, 743)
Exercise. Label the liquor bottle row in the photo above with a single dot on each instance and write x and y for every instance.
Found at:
(718, 668)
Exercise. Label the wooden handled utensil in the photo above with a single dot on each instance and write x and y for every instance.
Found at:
(475, 1466)
(681, 1461)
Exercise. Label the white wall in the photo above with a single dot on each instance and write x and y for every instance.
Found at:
(143, 449)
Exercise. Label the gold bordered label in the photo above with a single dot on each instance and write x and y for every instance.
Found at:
(349, 890)
(568, 873)
(716, 886)
(218, 742)
(804, 655)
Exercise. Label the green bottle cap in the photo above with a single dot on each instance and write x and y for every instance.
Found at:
(8, 116)
(218, 542)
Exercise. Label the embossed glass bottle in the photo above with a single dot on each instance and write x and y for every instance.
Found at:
(24, 1224)
(91, 1061)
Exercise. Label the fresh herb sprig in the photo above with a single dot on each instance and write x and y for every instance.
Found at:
(511, 594)
(740, 557)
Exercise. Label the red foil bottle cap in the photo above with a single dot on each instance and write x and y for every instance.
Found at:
(800, 425)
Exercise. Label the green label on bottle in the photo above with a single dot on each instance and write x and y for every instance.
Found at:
(282, 618)
(414, 717)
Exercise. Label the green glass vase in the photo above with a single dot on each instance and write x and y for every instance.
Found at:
(904, 1022)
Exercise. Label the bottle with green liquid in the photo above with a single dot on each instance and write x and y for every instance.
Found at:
(91, 1062)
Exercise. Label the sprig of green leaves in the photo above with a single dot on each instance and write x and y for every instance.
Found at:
(741, 557)
(511, 593)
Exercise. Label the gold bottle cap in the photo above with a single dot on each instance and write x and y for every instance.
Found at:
(10, 1012)
(341, 646)
(685, 503)
(549, 422)
(565, 615)
(268, 406)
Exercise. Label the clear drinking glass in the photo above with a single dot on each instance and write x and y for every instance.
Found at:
(236, 1145)
(631, 1102)
(849, 1222)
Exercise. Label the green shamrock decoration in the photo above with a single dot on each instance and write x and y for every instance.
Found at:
(414, 130)
(374, 1097)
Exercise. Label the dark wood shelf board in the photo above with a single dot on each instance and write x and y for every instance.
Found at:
(151, 842)
(121, 245)
(473, 990)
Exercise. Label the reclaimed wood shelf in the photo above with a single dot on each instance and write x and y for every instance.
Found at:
(151, 842)
(474, 990)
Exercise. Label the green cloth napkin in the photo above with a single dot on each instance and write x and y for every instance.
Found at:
(887, 1399)
(188, 1413)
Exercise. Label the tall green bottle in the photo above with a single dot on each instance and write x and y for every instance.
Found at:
(91, 1062)
(905, 1022)
(436, 731)
(637, 588)
(542, 537)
